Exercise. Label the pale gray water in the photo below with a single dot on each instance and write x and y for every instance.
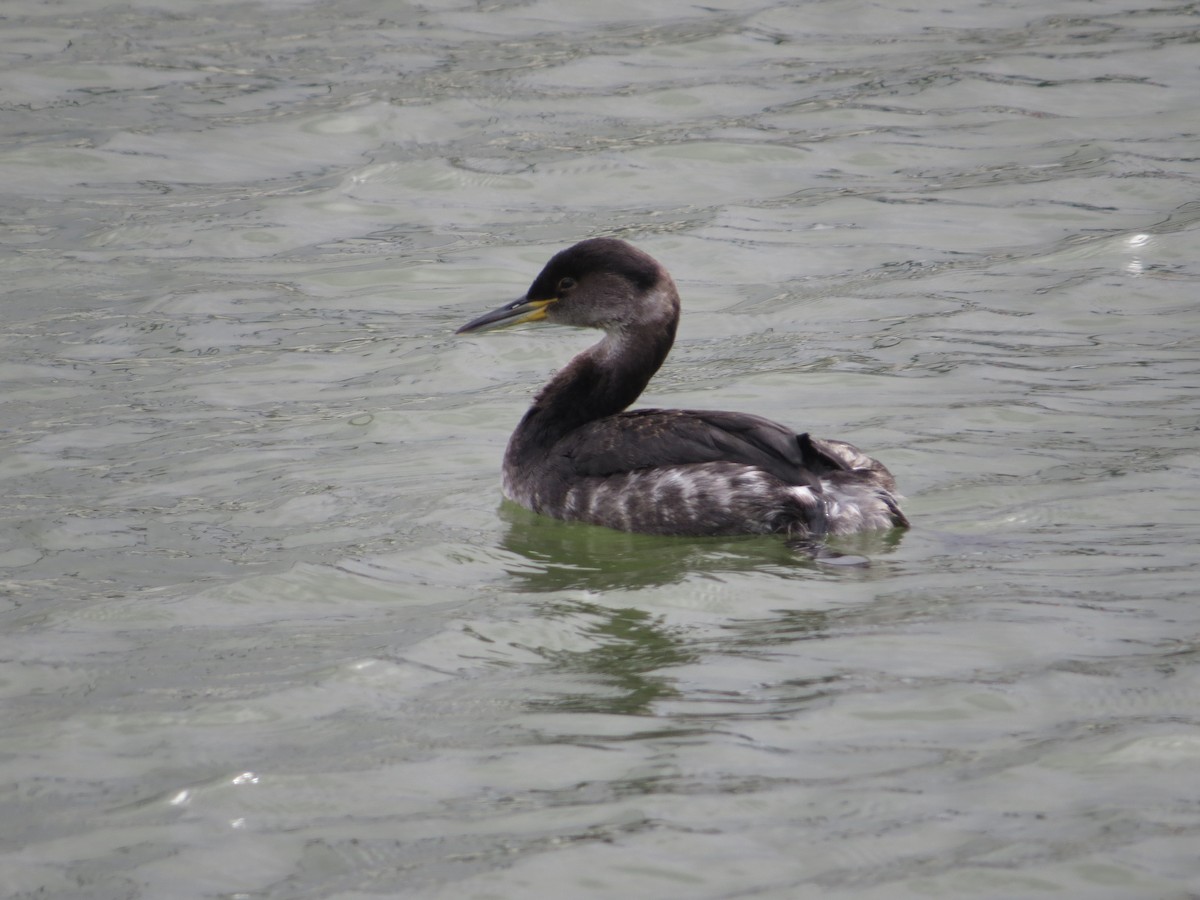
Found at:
(266, 630)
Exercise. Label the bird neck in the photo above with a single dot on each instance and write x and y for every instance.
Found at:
(601, 381)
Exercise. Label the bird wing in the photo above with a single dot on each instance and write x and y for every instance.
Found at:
(650, 438)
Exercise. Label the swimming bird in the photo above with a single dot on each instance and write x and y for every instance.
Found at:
(579, 455)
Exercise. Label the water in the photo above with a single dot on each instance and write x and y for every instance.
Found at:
(267, 630)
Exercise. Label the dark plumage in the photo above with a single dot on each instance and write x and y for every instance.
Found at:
(577, 455)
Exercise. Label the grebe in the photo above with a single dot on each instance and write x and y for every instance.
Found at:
(578, 456)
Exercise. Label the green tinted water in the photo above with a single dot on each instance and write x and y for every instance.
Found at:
(266, 628)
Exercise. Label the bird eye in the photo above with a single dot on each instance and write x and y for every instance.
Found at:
(565, 284)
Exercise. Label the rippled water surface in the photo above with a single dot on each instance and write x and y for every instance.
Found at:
(266, 630)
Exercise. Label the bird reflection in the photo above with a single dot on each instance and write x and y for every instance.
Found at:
(572, 556)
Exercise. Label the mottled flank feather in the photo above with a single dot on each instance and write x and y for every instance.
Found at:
(577, 455)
